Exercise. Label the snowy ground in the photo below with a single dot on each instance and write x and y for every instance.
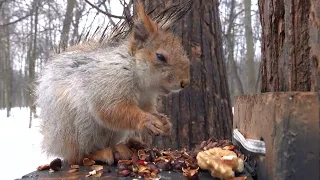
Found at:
(20, 146)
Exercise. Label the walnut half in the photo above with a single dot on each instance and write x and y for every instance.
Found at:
(222, 163)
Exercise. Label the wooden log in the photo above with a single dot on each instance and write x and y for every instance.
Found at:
(288, 122)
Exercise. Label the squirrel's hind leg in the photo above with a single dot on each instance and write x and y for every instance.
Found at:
(104, 155)
(124, 152)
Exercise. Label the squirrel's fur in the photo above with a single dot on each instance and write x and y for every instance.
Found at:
(94, 97)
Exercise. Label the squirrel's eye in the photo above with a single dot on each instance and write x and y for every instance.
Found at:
(160, 57)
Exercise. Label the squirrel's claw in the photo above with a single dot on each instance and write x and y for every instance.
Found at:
(158, 125)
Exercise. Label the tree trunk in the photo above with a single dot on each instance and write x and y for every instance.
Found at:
(290, 45)
(32, 63)
(66, 24)
(203, 109)
(2, 65)
(234, 71)
(249, 47)
(5, 36)
(230, 46)
(77, 16)
(8, 72)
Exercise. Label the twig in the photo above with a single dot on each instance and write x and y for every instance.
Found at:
(13, 22)
(104, 12)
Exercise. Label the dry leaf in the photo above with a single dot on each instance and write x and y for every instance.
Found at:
(238, 178)
(43, 167)
(230, 148)
(75, 166)
(88, 162)
(98, 174)
(97, 167)
(72, 170)
(91, 173)
(94, 173)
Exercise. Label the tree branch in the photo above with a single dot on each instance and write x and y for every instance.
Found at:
(104, 12)
(2, 2)
(13, 22)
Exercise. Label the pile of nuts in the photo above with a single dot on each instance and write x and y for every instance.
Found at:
(147, 163)
(219, 157)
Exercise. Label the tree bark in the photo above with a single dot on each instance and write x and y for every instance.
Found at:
(66, 24)
(203, 109)
(290, 45)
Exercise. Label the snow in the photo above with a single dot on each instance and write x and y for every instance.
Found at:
(20, 146)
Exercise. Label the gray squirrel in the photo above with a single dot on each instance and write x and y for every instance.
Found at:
(94, 97)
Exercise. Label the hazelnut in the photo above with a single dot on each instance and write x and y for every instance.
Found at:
(124, 173)
(56, 164)
(152, 166)
(152, 155)
(177, 165)
(164, 165)
(122, 167)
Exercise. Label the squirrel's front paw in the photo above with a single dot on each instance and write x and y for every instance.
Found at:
(165, 120)
(158, 125)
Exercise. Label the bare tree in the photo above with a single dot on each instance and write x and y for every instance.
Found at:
(64, 39)
(5, 48)
(230, 38)
(80, 6)
(249, 47)
(32, 62)
(33, 28)
(8, 71)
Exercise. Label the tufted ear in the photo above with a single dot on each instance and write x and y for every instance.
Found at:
(143, 27)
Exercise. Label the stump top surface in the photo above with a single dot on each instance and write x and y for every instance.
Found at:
(250, 97)
(112, 174)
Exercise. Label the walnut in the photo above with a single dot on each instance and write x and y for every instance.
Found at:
(222, 163)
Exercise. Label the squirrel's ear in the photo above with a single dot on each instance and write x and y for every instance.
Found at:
(144, 27)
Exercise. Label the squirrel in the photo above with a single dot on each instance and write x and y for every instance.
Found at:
(93, 98)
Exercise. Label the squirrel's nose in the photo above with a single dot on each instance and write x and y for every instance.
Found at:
(184, 83)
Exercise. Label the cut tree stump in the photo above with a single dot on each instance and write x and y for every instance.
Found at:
(109, 173)
(288, 123)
